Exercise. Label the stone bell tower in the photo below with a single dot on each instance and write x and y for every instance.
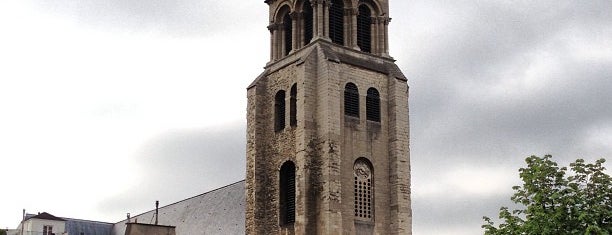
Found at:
(328, 131)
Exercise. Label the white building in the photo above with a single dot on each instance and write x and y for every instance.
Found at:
(41, 224)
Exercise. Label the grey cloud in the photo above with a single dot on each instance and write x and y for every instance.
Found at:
(492, 43)
(555, 119)
(175, 17)
(440, 213)
(181, 164)
(457, 61)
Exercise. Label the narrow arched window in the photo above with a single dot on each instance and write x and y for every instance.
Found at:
(293, 106)
(287, 193)
(279, 111)
(363, 174)
(351, 100)
(373, 105)
(364, 28)
(288, 26)
(336, 21)
(307, 14)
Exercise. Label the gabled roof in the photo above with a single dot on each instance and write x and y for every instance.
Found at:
(46, 216)
(220, 211)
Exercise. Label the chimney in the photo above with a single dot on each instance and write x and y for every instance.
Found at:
(156, 211)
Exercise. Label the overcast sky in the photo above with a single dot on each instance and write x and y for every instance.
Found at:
(109, 105)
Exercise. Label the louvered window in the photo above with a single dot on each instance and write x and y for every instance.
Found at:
(279, 111)
(287, 25)
(307, 9)
(364, 189)
(293, 106)
(373, 105)
(351, 100)
(336, 22)
(287, 193)
(364, 28)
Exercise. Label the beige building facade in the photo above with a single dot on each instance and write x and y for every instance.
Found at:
(328, 129)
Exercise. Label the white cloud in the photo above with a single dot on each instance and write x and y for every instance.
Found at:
(466, 181)
(79, 103)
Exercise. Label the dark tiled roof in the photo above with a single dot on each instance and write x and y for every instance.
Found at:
(46, 216)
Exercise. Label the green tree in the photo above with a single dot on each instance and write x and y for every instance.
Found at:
(557, 202)
(2, 232)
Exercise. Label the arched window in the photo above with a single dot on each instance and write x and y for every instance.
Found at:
(287, 193)
(279, 111)
(373, 105)
(336, 21)
(351, 100)
(364, 28)
(364, 189)
(307, 14)
(293, 106)
(288, 26)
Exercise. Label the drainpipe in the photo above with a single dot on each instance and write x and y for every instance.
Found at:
(22, 221)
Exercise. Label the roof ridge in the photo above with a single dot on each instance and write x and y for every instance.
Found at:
(85, 220)
(213, 190)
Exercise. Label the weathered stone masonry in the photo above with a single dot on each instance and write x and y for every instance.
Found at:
(325, 144)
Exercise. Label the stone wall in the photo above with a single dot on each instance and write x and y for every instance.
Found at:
(325, 144)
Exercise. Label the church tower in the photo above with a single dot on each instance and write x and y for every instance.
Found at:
(328, 131)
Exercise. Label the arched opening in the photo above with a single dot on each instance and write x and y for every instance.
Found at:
(351, 100)
(364, 28)
(287, 193)
(279, 111)
(288, 35)
(293, 106)
(363, 174)
(373, 105)
(336, 21)
(307, 17)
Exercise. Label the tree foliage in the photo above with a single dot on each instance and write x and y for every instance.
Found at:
(555, 201)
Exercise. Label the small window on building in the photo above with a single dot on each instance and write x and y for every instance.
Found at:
(307, 14)
(279, 111)
(364, 189)
(47, 230)
(364, 28)
(287, 25)
(287, 193)
(373, 105)
(336, 21)
(351, 100)
(293, 106)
